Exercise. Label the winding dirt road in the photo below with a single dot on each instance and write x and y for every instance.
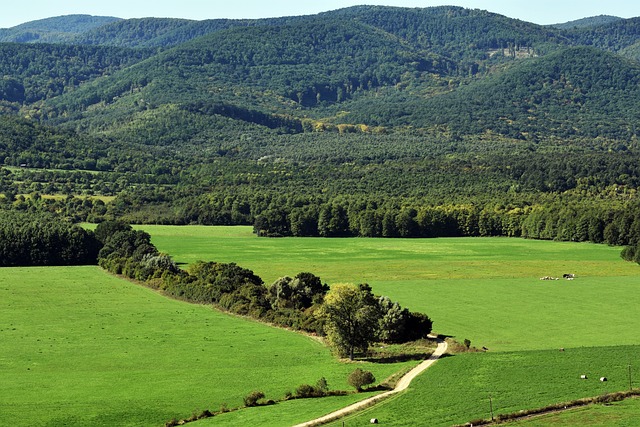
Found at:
(402, 385)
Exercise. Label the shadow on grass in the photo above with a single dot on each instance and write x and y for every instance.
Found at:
(395, 358)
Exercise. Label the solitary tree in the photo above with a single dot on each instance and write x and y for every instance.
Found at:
(351, 316)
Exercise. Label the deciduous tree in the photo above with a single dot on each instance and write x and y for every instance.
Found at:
(351, 315)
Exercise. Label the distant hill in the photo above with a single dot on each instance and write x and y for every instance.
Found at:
(164, 32)
(462, 70)
(35, 72)
(130, 32)
(450, 29)
(307, 64)
(367, 117)
(60, 29)
(615, 36)
(593, 21)
(578, 91)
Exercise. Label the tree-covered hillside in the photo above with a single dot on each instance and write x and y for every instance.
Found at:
(573, 92)
(368, 121)
(61, 29)
(593, 21)
(301, 65)
(131, 32)
(35, 72)
(371, 66)
(615, 36)
(459, 33)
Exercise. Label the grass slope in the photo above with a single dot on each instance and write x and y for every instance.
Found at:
(80, 347)
(617, 414)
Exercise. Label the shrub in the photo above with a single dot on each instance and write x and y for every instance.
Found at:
(319, 390)
(252, 398)
(360, 378)
(205, 414)
(628, 253)
(305, 390)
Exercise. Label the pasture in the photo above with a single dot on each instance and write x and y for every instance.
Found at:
(86, 348)
(80, 347)
(616, 414)
(457, 389)
(486, 290)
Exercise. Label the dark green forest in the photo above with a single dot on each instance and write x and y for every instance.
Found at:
(367, 121)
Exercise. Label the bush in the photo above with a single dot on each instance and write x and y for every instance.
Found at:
(305, 390)
(319, 390)
(360, 378)
(252, 398)
(628, 253)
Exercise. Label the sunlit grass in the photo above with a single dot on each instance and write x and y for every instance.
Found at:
(486, 290)
(80, 347)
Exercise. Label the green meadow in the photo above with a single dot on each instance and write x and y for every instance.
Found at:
(80, 347)
(485, 290)
(457, 389)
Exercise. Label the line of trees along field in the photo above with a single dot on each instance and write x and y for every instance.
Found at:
(367, 121)
(42, 239)
(351, 316)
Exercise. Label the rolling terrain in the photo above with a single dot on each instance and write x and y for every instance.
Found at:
(443, 103)
(393, 124)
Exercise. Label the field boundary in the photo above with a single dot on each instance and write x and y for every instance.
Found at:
(555, 408)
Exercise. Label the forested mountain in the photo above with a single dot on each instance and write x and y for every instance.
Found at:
(35, 72)
(368, 66)
(614, 36)
(307, 63)
(164, 33)
(369, 120)
(593, 21)
(572, 92)
(131, 32)
(60, 29)
(459, 33)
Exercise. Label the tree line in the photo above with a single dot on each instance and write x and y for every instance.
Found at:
(351, 317)
(42, 239)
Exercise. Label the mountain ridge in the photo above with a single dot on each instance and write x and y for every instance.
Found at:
(361, 66)
(58, 29)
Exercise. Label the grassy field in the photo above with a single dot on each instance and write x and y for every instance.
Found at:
(80, 347)
(86, 348)
(485, 290)
(457, 389)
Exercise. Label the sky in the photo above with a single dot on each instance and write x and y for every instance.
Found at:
(537, 11)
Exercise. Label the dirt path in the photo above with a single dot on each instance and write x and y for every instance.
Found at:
(402, 385)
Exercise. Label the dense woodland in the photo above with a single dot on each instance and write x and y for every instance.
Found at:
(367, 121)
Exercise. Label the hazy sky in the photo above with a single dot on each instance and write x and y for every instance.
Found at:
(15, 12)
